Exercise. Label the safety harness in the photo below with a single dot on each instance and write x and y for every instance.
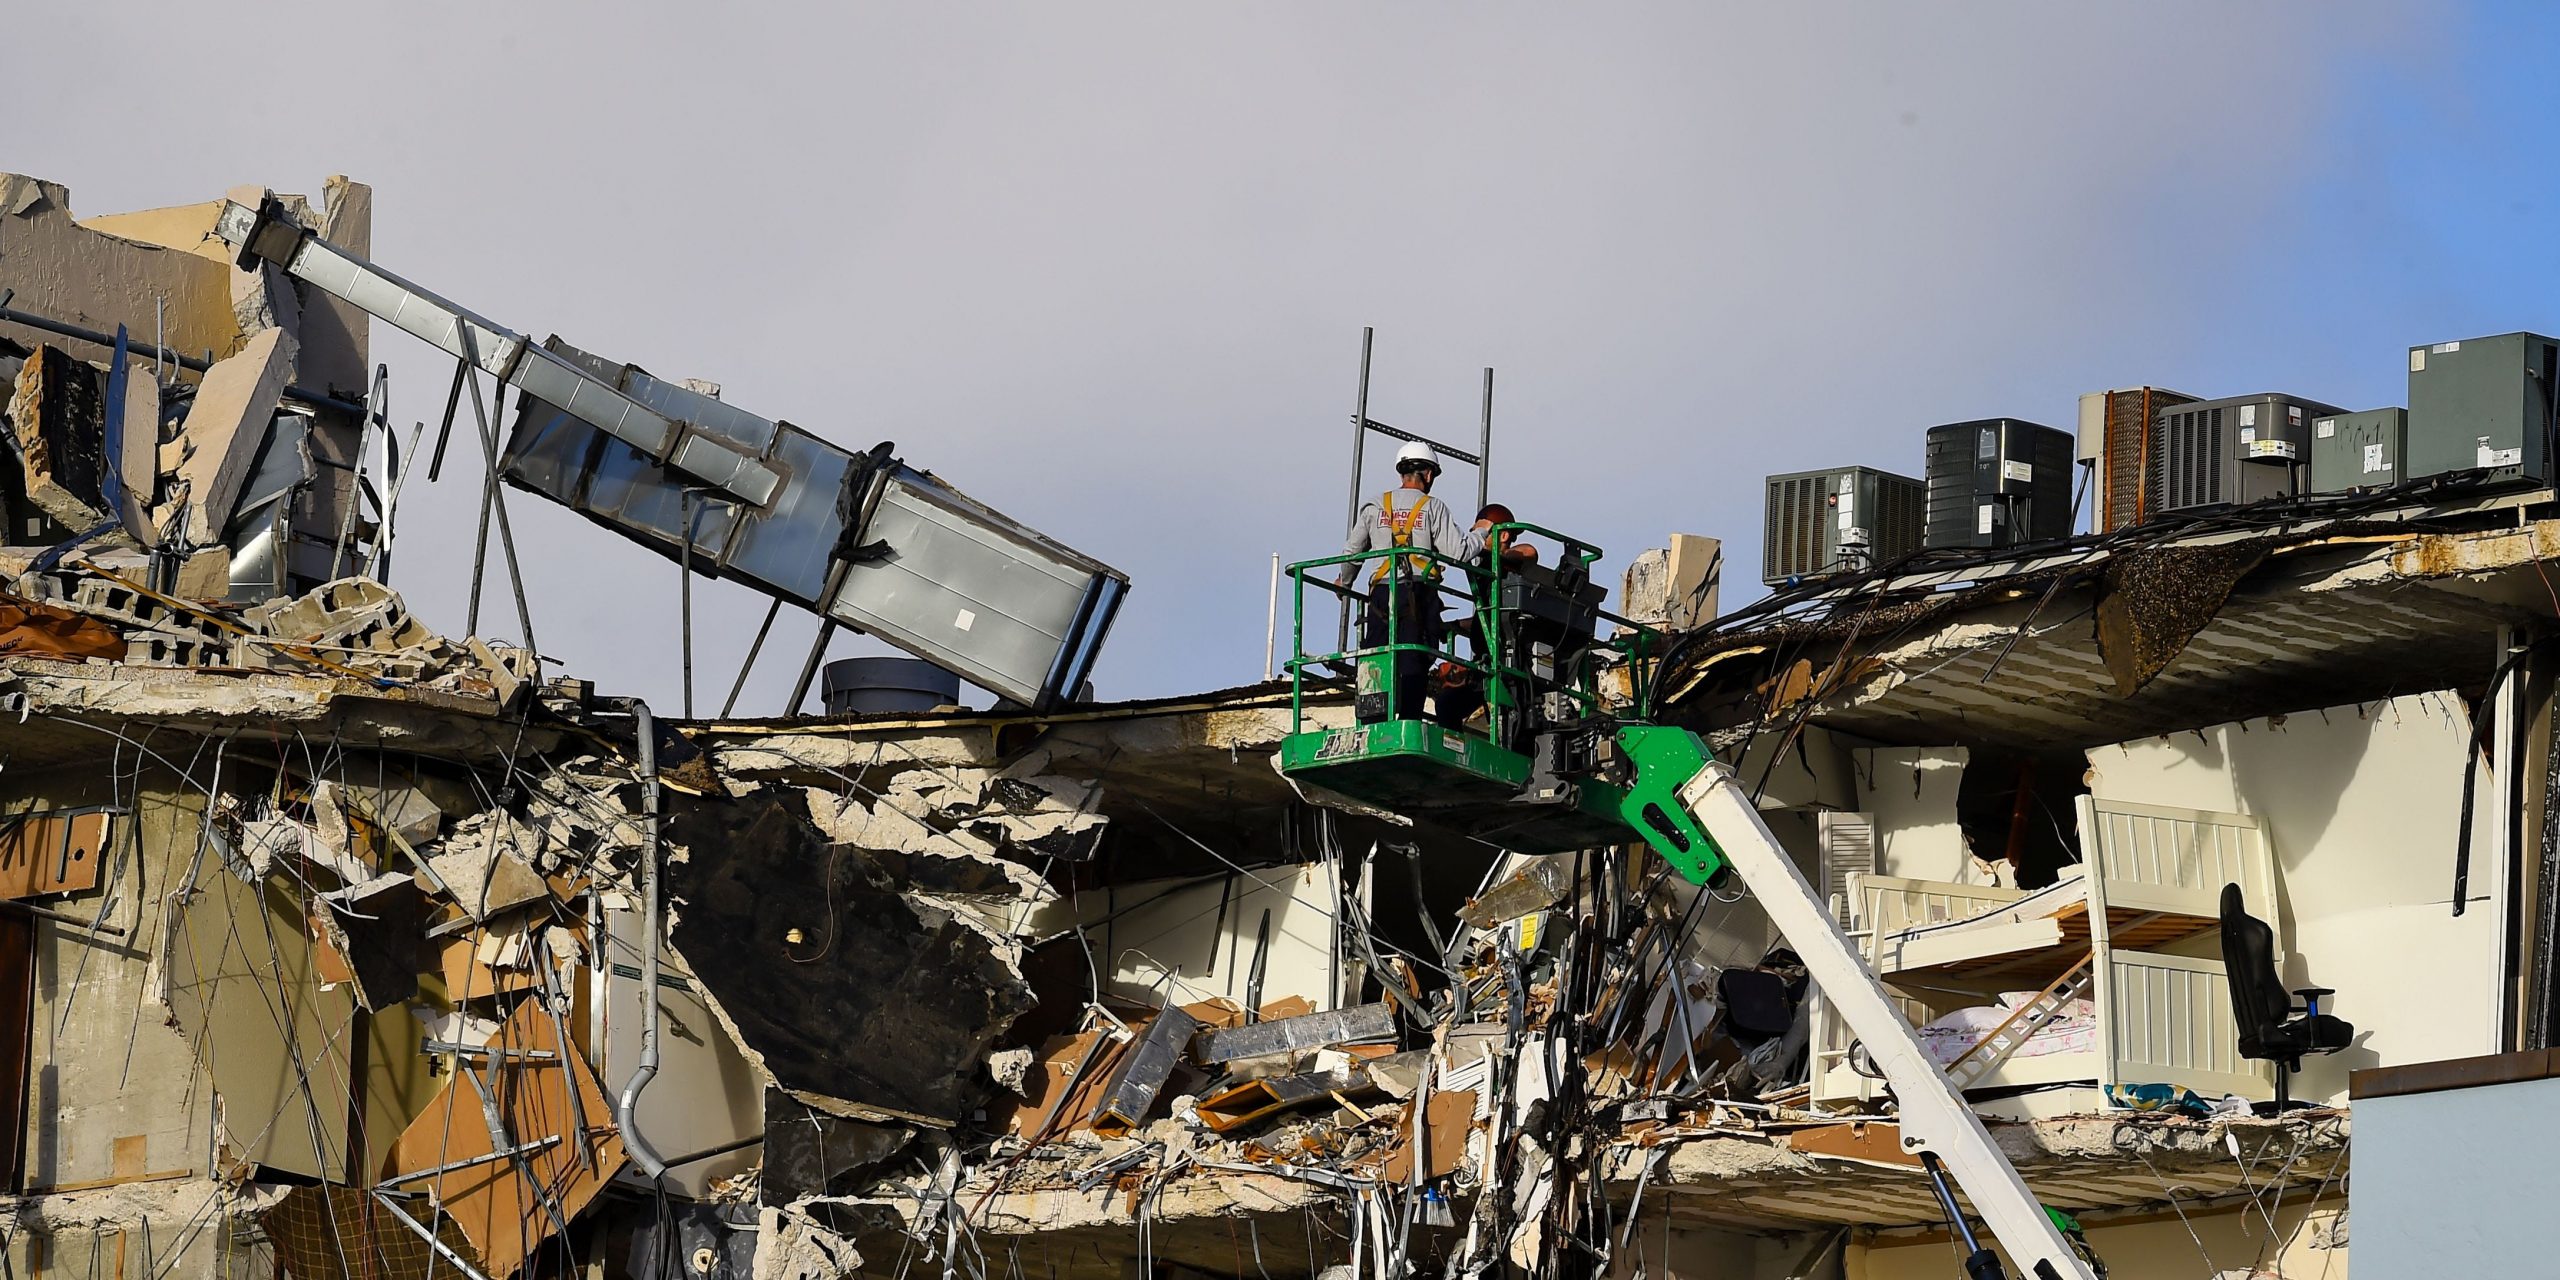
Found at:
(1400, 530)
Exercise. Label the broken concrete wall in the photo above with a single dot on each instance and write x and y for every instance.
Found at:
(56, 409)
(138, 1036)
(336, 358)
(206, 1004)
(191, 1229)
(1675, 587)
(127, 269)
(223, 429)
(281, 1048)
(116, 1093)
(65, 271)
(335, 333)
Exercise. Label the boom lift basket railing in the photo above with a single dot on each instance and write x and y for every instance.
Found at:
(1541, 661)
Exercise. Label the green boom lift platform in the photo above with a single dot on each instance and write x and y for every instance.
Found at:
(1535, 654)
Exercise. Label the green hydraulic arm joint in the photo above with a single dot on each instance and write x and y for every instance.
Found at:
(1662, 760)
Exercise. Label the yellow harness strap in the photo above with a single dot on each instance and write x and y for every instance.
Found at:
(1400, 529)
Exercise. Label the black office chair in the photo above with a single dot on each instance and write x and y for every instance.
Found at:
(2269, 1028)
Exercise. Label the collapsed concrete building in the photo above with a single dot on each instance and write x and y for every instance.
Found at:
(331, 947)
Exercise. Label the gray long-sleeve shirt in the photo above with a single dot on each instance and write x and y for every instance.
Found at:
(1438, 531)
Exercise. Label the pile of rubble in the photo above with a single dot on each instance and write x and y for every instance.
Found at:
(353, 627)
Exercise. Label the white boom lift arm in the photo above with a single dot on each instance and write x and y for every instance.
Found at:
(1691, 808)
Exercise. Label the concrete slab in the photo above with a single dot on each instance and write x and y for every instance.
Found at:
(224, 428)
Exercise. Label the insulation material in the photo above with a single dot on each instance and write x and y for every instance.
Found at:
(32, 629)
(508, 1207)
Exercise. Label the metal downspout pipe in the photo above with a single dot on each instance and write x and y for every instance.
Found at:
(626, 1108)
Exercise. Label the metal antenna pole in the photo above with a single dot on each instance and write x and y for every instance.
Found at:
(1271, 624)
(684, 593)
(1359, 427)
(1359, 445)
(1484, 447)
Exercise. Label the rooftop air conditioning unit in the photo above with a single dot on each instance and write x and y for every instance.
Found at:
(1839, 520)
(2365, 450)
(2218, 453)
(1998, 482)
(2116, 437)
(2484, 404)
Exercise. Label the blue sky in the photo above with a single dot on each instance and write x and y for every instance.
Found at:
(1106, 266)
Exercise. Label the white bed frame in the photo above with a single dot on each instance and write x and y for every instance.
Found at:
(2150, 875)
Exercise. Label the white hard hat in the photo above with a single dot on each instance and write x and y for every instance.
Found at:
(1417, 452)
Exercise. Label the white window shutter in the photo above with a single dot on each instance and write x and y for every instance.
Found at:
(1847, 844)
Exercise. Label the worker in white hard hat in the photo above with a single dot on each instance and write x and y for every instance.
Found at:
(1408, 517)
